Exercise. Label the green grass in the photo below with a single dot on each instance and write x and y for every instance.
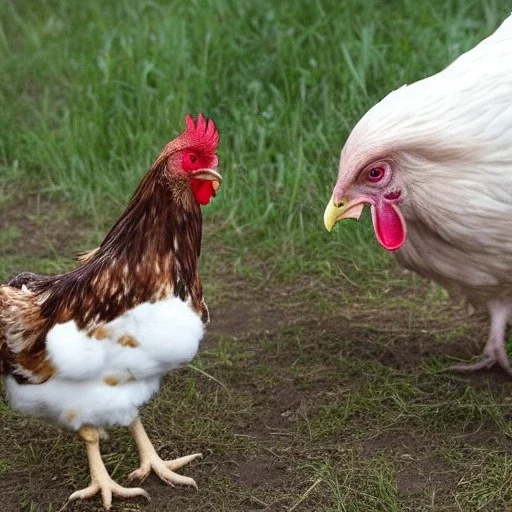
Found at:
(94, 92)
(320, 386)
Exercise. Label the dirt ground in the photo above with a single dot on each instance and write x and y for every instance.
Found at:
(297, 404)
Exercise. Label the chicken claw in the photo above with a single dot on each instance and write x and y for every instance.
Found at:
(108, 489)
(100, 479)
(495, 351)
(150, 460)
(498, 357)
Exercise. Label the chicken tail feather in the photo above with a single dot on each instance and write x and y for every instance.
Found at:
(86, 257)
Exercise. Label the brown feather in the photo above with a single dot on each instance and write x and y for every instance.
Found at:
(149, 253)
(87, 256)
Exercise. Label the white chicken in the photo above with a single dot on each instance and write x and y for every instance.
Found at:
(434, 161)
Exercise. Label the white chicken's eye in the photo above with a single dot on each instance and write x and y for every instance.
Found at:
(192, 158)
(375, 174)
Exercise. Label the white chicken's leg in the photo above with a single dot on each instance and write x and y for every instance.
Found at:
(495, 351)
(100, 479)
(150, 460)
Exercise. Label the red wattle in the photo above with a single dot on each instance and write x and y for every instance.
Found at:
(203, 191)
(389, 225)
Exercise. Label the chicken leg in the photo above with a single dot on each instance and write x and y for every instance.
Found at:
(100, 479)
(495, 351)
(150, 460)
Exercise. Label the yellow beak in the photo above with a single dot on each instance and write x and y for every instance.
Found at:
(209, 175)
(331, 215)
(344, 210)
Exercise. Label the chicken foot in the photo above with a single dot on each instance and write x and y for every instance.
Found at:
(100, 479)
(495, 351)
(150, 460)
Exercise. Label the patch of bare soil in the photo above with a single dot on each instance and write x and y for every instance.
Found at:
(241, 319)
(390, 440)
(417, 475)
(36, 226)
(418, 469)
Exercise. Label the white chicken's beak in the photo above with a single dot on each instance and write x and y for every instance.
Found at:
(209, 174)
(343, 209)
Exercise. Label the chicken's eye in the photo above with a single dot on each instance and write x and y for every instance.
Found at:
(375, 174)
(190, 161)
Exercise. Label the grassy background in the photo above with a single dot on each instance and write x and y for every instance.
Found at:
(92, 90)
(328, 358)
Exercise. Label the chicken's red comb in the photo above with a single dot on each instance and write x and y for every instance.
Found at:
(202, 133)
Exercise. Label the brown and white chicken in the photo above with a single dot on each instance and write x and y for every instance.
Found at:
(434, 162)
(89, 347)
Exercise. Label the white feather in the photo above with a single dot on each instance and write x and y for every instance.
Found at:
(164, 335)
(450, 136)
(78, 403)
(75, 355)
